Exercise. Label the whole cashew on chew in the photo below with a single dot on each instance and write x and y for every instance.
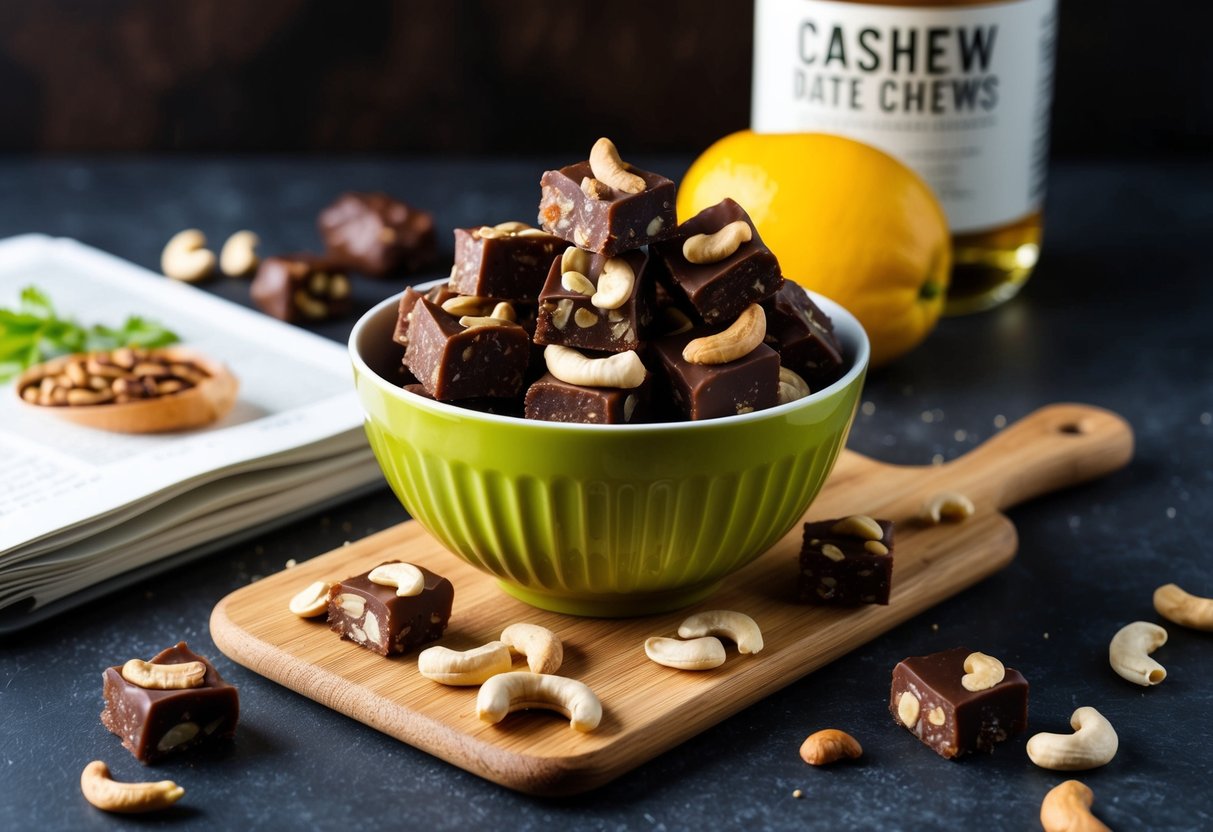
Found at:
(1067, 808)
(1093, 744)
(508, 692)
(128, 798)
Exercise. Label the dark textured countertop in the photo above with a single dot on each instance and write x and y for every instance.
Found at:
(1117, 315)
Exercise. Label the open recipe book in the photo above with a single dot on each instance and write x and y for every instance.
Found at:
(84, 511)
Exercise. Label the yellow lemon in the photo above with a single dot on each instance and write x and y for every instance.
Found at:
(844, 219)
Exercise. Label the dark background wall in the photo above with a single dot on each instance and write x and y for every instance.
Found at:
(480, 76)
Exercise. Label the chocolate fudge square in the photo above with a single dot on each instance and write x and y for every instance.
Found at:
(602, 219)
(377, 618)
(153, 724)
(803, 336)
(843, 568)
(508, 261)
(551, 400)
(949, 719)
(404, 315)
(376, 235)
(720, 290)
(569, 317)
(710, 391)
(300, 287)
(457, 362)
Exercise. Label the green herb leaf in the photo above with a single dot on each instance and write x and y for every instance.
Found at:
(33, 332)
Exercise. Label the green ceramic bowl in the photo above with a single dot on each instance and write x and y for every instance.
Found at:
(602, 520)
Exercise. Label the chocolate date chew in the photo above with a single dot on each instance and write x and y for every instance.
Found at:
(594, 302)
(509, 260)
(376, 616)
(461, 358)
(803, 336)
(710, 391)
(929, 699)
(376, 235)
(846, 561)
(551, 400)
(154, 721)
(300, 287)
(717, 261)
(578, 206)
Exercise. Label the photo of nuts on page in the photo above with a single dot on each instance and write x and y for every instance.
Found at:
(131, 390)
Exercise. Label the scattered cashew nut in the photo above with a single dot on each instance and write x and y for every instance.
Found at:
(575, 281)
(542, 648)
(1128, 653)
(791, 386)
(186, 257)
(1183, 608)
(946, 505)
(623, 369)
(517, 690)
(712, 248)
(1067, 808)
(238, 257)
(164, 676)
(615, 284)
(829, 745)
(735, 626)
(128, 798)
(407, 578)
(740, 339)
(696, 654)
(609, 169)
(467, 667)
(1093, 744)
(982, 672)
(311, 601)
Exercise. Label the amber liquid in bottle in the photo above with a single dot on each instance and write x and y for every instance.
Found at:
(877, 50)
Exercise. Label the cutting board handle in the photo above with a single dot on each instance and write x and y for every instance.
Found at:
(1047, 450)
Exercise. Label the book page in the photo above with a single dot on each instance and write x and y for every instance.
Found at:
(296, 390)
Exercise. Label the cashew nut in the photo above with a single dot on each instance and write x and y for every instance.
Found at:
(946, 505)
(1093, 744)
(575, 260)
(741, 338)
(461, 305)
(128, 798)
(609, 169)
(696, 654)
(592, 188)
(735, 626)
(311, 601)
(238, 256)
(407, 578)
(1067, 808)
(623, 369)
(791, 386)
(515, 691)
(186, 258)
(1183, 608)
(512, 226)
(982, 672)
(574, 281)
(542, 648)
(858, 525)
(1129, 653)
(474, 321)
(829, 745)
(908, 709)
(164, 676)
(504, 311)
(712, 248)
(469, 667)
(615, 284)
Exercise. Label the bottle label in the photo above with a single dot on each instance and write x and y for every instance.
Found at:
(961, 95)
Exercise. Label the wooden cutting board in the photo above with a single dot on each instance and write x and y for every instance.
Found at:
(649, 708)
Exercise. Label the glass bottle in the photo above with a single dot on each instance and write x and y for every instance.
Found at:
(958, 90)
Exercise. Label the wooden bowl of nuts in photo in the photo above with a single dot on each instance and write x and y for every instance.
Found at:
(131, 390)
(603, 519)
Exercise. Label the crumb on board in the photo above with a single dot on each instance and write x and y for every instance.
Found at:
(797, 793)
